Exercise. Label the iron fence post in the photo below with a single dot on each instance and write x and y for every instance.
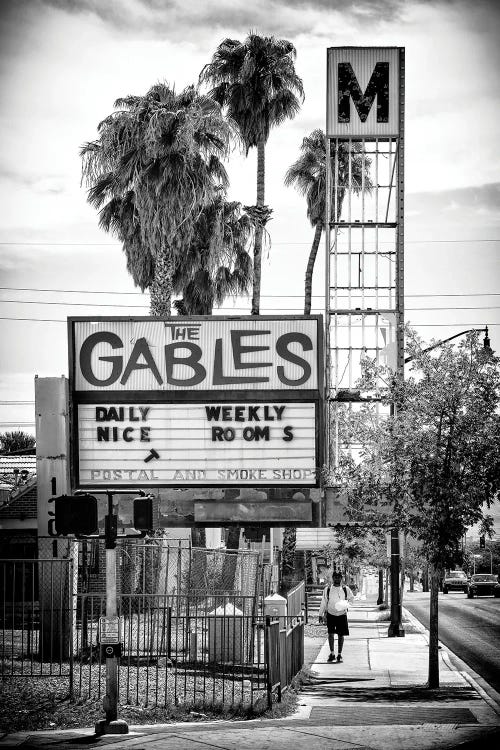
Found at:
(268, 662)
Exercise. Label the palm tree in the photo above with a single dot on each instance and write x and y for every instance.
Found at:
(217, 263)
(256, 83)
(156, 163)
(308, 174)
(17, 440)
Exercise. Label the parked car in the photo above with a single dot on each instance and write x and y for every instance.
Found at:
(456, 580)
(483, 584)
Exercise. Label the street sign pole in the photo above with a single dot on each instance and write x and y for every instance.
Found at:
(111, 724)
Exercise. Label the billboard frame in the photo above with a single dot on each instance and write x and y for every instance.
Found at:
(186, 396)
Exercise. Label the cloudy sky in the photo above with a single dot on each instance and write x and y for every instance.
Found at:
(64, 62)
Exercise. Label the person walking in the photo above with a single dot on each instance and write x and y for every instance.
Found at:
(334, 604)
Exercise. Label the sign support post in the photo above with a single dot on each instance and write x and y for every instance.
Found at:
(111, 724)
(364, 237)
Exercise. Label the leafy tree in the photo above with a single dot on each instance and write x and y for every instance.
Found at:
(376, 555)
(308, 174)
(216, 263)
(17, 440)
(414, 560)
(434, 466)
(351, 550)
(156, 163)
(256, 83)
(487, 559)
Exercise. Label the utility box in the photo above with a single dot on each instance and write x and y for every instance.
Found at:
(225, 634)
(275, 606)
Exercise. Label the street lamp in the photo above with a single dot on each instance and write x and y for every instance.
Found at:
(486, 342)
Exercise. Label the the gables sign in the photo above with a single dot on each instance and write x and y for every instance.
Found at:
(363, 91)
(196, 402)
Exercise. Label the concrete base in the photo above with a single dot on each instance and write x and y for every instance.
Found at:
(118, 726)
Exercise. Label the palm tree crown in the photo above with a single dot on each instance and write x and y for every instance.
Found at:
(156, 163)
(217, 262)
(256, 83)
(308, 175)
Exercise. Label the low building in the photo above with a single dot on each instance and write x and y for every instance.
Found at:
(18, 506)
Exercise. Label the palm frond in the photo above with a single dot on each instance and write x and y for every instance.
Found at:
(156, 163)
(256, 83)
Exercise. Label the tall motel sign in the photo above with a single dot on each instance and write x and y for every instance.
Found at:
(364, 294)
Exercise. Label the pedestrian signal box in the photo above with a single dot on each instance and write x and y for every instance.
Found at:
(143, 513)
(76, 514)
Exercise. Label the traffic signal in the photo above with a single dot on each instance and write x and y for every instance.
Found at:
(482, 542)
(76, 514)
(143, 513)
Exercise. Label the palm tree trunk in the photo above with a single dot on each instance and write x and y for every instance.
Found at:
(257, 253)
(433, 681)
(310, 268)
(160, 291)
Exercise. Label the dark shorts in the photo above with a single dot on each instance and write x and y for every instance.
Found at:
(337, 624)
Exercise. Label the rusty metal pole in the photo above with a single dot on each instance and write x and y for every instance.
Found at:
(396, 628)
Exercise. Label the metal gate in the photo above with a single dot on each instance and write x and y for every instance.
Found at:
(37, 617)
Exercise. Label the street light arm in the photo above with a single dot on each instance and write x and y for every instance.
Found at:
(450, 338)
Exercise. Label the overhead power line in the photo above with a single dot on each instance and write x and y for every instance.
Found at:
(71, 304)
(15, 403)
(16, 424)
(305, 242)
(287, 309)
(263, 296)
(269, 312)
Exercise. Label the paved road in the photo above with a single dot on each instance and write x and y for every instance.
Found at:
(469, 627)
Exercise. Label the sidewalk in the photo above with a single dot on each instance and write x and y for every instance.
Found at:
(374, 699)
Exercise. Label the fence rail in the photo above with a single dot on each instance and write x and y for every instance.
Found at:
(175, 650)
(284, 654)
(210, 646)
(36, 618)
(295, 599)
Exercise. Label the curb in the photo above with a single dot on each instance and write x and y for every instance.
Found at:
(406, 615)
(487, 693)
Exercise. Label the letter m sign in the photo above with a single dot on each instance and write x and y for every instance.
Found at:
(364, 86)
